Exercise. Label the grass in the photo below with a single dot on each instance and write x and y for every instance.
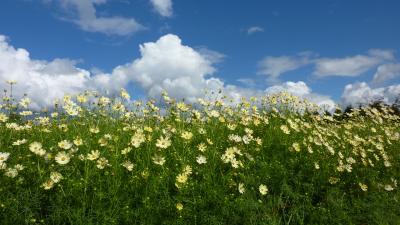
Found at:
(274, 160)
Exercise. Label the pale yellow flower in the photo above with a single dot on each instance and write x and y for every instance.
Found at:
(3, 117)
(102, 163)
(159, 160)
(65, 144)
(187, 135)
(93, 155)
(78, 141)
(4, 156)
(263, 189)
(163, 142)
(62, 158)
(241, 188)
(128, 165)
(201, 159)
(285, 129)
(56, 176)
(389, 187)
(179, 206)
(49, 184)
(363, 187)
(296, 147)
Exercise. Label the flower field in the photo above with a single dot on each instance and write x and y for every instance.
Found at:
(275, 159)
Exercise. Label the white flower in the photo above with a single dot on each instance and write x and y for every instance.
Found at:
(49, 184)
(241, 188)
(4, 156)
(214, 113)
(124, 94)
(202, 147)
(263, 189)
(11, 82)
(55, 177)
(3, 117)
(11, 172)
(65, 144)
(163, 142)
(187, 135)
(159, 160)
(62, 158)
(93, 155)
(102, 163)
(389, 187)
(36, 148)
(201, 159)
(128, 165)
(19, 142)
(19, 167)
(137, 139)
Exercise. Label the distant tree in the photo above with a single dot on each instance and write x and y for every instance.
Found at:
(396, 105)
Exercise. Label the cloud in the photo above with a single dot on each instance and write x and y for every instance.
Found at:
(351, 66)
(273, 67)
(87, 20)
(163, 65)
(43, 81)
(255, 29)
(386, 72)
(163, 7)
(361, 94)
(168, 65)
(301, 90)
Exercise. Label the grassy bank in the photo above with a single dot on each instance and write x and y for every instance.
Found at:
(274, 160)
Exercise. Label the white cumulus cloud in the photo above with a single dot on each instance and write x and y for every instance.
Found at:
(163, 7)
(164, 65)
(43, 81)
(361, 94)
(169, 65)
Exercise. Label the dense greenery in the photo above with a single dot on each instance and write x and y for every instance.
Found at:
(273, 160)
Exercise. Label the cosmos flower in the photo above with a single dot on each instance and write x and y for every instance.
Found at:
(128, 165)
(159, 160)
(285, 129)
(65, 144)
(187, 135)
(93, 155)
(241, 188)
(4, 156)
(163, 142)
(263, 189)
(62, 158)
(363, 187)
(55, 176)
(49, 184)
(179, 206)
(201, 159)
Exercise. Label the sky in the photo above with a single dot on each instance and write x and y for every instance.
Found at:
(328, 51)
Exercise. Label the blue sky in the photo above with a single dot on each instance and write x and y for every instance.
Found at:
(255, 44)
